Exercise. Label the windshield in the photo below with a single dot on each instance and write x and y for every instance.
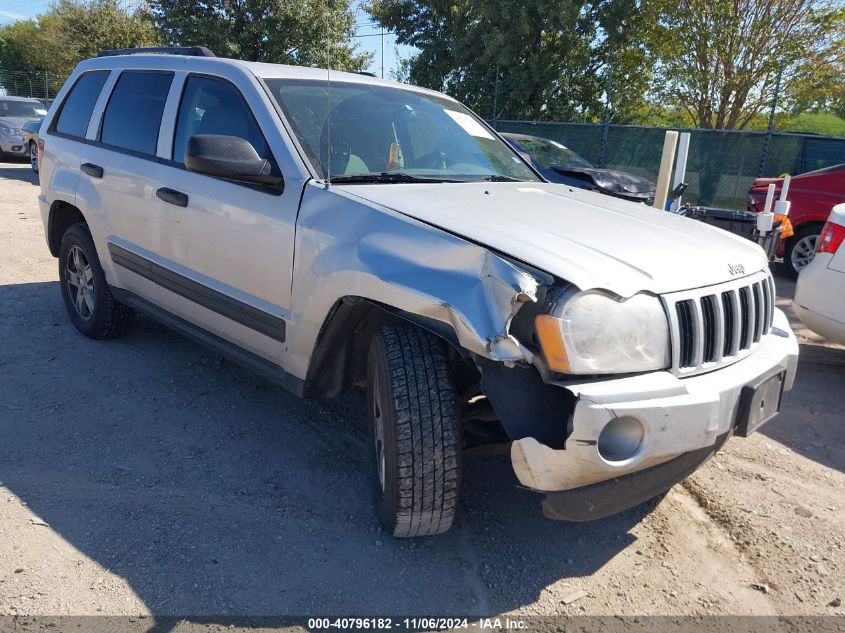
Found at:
(552, 154)
(25, 109)
(377, 130)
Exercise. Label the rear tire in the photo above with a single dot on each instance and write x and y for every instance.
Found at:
(92, 308)
(800, 248)
(414, 431)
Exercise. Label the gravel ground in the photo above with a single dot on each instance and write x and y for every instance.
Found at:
(146, 475)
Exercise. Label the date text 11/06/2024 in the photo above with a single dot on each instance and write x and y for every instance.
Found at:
(415, 624)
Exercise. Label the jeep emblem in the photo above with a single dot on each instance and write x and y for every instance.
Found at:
(736, 269)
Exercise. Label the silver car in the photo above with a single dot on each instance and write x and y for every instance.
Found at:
(15, 112)
(336, 231)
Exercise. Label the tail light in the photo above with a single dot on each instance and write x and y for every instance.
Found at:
(40, 145)
(831, 238)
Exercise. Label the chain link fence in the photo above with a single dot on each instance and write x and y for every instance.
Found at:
(722, 163)
(36, 84)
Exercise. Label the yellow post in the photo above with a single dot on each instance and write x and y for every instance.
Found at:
(663, 176)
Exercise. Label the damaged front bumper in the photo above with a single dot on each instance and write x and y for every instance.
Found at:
(681, 421)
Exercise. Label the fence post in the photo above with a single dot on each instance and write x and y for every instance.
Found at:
(606, 125)
(681, 166)
(46, 88)
(667, 159)
(765, 158)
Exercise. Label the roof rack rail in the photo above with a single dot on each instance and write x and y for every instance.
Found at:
(367, 73)
(192, 51)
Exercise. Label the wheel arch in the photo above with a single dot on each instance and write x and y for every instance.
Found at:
(62, 216)
(340, 352)
(807, 223)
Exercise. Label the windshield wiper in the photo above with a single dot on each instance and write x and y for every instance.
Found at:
(386, 177)
(498, 178)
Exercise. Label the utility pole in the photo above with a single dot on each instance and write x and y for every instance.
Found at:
(382, 52)
(606, 127)
(496, 98)
(765, 158)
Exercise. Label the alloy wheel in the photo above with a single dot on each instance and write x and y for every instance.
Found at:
(80, 282)
(804, 251)
(378, 430)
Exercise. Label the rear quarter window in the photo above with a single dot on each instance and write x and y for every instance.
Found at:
(133, 115)
(76, 110)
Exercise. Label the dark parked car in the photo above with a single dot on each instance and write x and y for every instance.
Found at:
(812, 195)
(29, 133)
(558, 163)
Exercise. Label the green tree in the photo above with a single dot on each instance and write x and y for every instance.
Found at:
(538, 59)
(815, 123)
(719, 59)
(820, 85)
(74, 30)
(305, 32)
(21, 47)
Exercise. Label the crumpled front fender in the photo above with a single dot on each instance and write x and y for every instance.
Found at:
(449, 280)
(345, 247)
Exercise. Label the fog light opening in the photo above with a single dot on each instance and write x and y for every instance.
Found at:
(621, 439)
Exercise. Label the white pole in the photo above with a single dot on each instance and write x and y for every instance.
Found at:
(782, 206)
(784, 191)
(765, 220)
(681, 165)
(670, 142)
(770, 198)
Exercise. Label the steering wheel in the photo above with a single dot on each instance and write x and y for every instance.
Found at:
(436, 159)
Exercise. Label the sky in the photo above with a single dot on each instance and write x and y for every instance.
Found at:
(367, 34)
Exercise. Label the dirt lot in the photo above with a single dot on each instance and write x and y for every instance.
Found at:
(145, 475)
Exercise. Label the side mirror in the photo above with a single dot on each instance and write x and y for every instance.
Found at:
(229, 157)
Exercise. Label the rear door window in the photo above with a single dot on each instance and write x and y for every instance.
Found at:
(133, 115)
(76, 110)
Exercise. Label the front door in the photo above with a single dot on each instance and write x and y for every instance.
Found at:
(226, 248)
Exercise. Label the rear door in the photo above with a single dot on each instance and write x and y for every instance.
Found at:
(64, 137)
(119, 172)
(225, 249)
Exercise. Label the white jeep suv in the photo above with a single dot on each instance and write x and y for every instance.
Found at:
(338, 230)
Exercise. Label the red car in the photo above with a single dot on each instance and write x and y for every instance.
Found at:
(813, 195)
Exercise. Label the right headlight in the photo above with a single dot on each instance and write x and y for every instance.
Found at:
(594, 332)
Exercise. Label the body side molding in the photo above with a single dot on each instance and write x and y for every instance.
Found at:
(229, 307)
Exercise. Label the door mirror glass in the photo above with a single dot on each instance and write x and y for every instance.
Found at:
(229, 157)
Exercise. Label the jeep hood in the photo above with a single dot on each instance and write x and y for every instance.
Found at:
(586, 238)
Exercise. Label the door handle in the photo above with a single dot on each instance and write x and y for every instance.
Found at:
(95, 171)
(172, 196)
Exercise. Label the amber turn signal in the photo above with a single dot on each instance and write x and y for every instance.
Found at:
(551, 341)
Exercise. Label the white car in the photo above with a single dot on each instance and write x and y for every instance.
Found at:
(820, 292)
(331, 231)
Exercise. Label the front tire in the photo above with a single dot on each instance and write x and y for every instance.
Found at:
(92, 308)
(414, 431)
